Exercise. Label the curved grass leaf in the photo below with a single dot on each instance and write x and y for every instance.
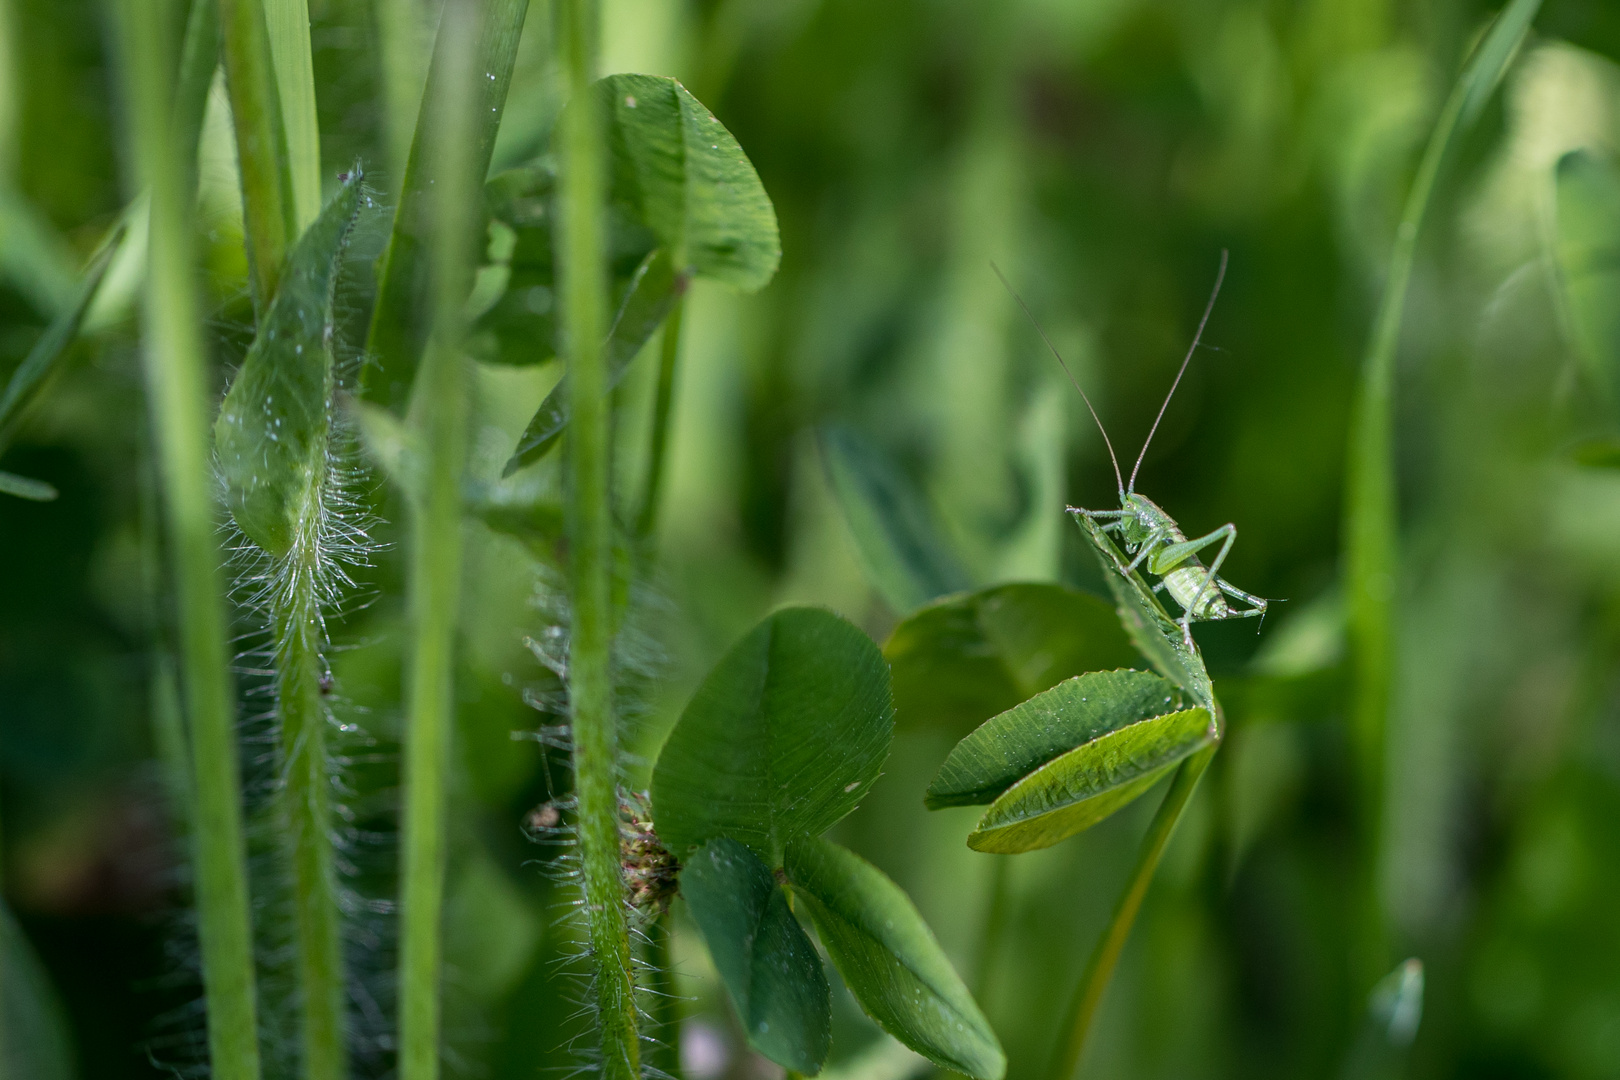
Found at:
(652, 293)
(900, 543)
(36, 1042)
(271, 435)
(890, 960)
(1588, 253)
(784, 736)
(1371, 512)
(678, 170)
(1073, 792)
(769, 967)
(32, 375)
(963, 659)
(1154, 633)
(1077, 711)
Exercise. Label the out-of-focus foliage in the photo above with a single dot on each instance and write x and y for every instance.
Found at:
(1102, 153)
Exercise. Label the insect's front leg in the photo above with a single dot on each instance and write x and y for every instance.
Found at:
(1154, 542)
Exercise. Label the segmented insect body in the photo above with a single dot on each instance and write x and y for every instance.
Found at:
(1150, 536)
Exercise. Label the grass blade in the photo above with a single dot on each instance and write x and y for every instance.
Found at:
(268, 216)
(458, 166)
(178, 394)
(653, 293)
(287, 24)
(1370, 538)
(400, 320)
(901, 543)
(33, 374)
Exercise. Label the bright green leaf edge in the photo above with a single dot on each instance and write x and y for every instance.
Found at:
(1006, 748)
(1073, 792)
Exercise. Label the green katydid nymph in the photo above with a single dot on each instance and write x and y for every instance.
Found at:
(1150, 536)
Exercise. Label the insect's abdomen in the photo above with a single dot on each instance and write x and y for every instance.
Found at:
(1185, 582)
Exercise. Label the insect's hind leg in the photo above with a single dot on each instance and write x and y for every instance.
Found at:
(1257, 604)
(1172, 555)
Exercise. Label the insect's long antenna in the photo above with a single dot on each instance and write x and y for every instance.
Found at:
(1118, 482)
(1220, 276)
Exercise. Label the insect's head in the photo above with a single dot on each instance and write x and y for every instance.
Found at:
(1141, 521)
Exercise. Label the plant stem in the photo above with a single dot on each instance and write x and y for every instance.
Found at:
(307, 803)
(179, 396)
(269, 219)
(435, 572)
(995, 927)
(665, 1004)
(1372, 556)
(590, 689)
(1100, 967)
(658, 447)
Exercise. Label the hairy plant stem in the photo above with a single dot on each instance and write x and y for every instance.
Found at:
(178, 393)
(590, 688)
(269, 218)
(306, 798)
(440, 409)
(663, 400)
(1100, 967)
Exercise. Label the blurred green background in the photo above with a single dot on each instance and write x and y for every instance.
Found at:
(1102, 153)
